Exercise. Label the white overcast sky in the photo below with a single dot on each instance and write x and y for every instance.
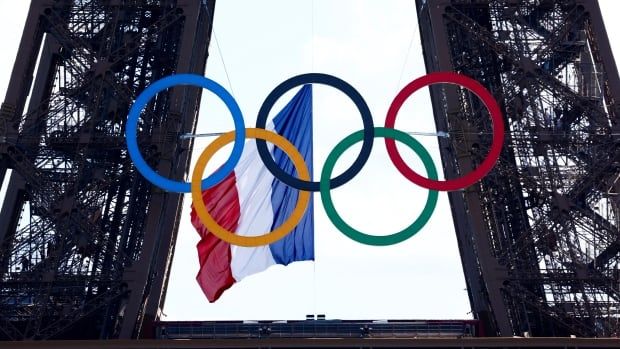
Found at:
(375, 46)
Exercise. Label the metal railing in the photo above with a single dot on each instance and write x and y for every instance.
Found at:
(316, 329)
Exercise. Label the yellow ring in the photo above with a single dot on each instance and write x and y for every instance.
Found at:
(231, 237)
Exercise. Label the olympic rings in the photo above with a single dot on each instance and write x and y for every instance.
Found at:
(374, 240)
(147, 95)
(326, 183)
(498, 131)
(347, 89)
(276, 234)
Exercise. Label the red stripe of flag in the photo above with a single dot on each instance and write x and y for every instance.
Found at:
(222, 202)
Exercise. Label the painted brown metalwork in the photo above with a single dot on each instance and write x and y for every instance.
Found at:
(85, 241)
(309, 343)
(539, 236)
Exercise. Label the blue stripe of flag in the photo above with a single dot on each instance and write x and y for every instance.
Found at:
(294, 122)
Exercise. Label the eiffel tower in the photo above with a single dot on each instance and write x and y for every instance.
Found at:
(539, 236)
(85, 241)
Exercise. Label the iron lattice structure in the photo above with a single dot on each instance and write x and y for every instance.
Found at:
(85, 241)
(539, 236)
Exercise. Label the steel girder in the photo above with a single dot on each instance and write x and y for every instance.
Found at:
(85, 242)
(539, 236)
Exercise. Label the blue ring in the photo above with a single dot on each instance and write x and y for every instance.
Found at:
(150, 92)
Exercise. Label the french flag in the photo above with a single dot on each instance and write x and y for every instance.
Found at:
(250, 201)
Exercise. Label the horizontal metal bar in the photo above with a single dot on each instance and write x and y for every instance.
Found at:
(215, 134)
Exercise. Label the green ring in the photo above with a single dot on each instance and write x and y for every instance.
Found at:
(352, 233)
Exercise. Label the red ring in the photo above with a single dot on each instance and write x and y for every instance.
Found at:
(489, 102)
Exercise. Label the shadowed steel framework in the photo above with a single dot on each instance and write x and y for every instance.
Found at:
(538, 237)
(85, 241)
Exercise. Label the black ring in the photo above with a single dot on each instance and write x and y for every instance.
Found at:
(329, 80)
